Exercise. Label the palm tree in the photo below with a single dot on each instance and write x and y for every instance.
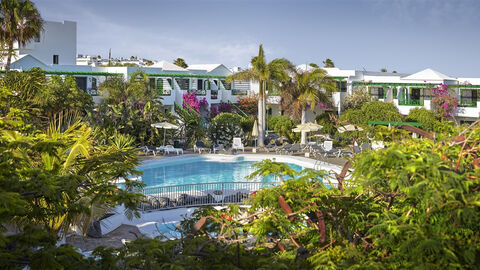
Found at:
(20, 22)
(306, 89)
(273, 73)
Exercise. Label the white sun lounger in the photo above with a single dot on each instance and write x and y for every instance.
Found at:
(170, 148)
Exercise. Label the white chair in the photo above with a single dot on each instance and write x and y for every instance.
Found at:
(170, 148)
(327, 145)
(237, 144)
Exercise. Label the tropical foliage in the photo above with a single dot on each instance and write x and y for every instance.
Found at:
(356, 100)
(283, 126)
(325, 120)
(372, 111)
(248, 104)
(425, 117)
(44, 97)
(20, 22)
(180, 62)
(444, 103)
(131, 107)
(304, 91)
(224, 127)
(273, 74)
(52, 180)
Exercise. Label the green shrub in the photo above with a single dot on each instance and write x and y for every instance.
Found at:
(283, 126)
(327, 123)
(380, 111)
(372, 111)
(224, 127)
(247, 124)
(357, 99)
(423, 116)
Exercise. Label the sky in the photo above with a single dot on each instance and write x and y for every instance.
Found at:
(402, 35)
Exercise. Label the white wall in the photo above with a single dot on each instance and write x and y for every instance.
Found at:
(58, 38)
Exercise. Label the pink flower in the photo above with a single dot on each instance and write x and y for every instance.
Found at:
(445, 106)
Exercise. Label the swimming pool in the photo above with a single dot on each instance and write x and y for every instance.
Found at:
(199, 171)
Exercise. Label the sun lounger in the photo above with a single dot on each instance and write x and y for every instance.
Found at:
(295, 148)
(148, 149)
(200, 146)
(170, 148)
(218, 148)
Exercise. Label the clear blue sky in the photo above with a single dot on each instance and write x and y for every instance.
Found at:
(402, 35)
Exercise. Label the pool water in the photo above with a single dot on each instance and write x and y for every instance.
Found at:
(200, 171)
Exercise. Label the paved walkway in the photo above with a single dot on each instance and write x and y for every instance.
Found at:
(112, 239)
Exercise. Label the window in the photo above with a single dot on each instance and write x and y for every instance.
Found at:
(94, 83)
(342, 86)
(228, 86)
(199, 84)
(37, 39)
(377, 92)
(183, 83)
(468, 97)
(55, 59)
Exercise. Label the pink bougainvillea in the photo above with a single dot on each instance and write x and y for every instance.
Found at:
(190, 102)
(443, 103)
(222, 107)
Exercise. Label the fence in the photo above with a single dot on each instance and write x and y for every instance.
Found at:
(169, 197)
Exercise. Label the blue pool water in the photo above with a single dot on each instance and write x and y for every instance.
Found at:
(199, 171)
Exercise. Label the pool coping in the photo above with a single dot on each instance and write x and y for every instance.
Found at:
(301, 161)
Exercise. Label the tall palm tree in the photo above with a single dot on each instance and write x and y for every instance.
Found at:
(306, 89)
(20, 22)
(273, 73)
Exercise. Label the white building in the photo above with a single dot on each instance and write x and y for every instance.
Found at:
(55, 52)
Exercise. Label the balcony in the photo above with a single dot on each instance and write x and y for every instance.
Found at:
(467, 103)
(240, 92)
(410, 102)
(164, 92)
(198, 92)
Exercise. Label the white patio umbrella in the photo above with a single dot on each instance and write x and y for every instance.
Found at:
(165, 126)
(255, 131)
(307, 127)
(349, 127)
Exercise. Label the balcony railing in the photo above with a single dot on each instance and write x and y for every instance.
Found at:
(467, 103)
(163, 198)
(410, 102)
(198, 92)
(93, 92)
(165, 92)
(239, 92)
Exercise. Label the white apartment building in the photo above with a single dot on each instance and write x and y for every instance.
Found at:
(56, 53)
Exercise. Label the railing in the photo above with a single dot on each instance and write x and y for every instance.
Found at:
(198, 92)
(410, 102)
(239, 92)
(169, 197)
(93, 92)
(468, 103)
(165, 92)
